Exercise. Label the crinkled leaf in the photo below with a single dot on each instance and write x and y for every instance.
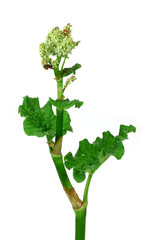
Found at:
(89, 157)
(68, 71)
(112, 145)
(65, 103)
(41, 121)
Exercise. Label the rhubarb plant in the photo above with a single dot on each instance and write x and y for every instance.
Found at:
(53, 121)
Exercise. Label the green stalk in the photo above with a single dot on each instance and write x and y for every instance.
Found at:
(58, 161)
(80, 222)
(85, 196)
(59, 112)
(80, 214)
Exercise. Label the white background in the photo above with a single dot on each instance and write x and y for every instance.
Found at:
(115, 83)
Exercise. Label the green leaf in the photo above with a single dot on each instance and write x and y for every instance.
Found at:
(68, 71)
(85, 160)
(41, 121)
(65, 103)
(90, 157)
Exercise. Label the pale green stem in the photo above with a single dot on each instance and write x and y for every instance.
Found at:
(63, 64)
(85, 196)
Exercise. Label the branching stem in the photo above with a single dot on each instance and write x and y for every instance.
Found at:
(57, 158)
(78, 205)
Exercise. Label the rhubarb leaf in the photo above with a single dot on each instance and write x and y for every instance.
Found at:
(90, 156)
(65, 103)
(41, 121)
(67, 71)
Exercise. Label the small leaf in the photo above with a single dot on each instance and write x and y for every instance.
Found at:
(89, 157)
(68, 71)
(65, 103)
(41, 121)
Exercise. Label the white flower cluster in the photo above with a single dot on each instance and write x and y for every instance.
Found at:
(58, 43)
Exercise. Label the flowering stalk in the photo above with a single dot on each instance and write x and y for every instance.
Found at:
(69, 81)
(42, 122)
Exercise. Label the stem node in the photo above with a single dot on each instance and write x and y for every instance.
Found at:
(74, 198)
